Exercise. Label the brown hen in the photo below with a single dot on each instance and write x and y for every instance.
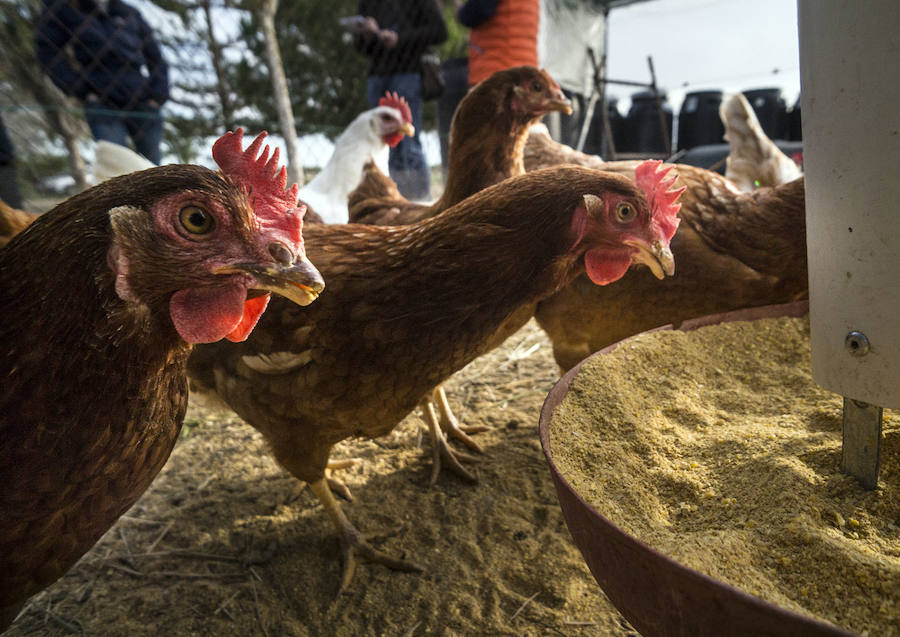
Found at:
(102, 298)
(734, 250)
(407, 306)
(487, 136)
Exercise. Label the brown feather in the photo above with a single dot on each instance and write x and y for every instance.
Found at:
(12, 222)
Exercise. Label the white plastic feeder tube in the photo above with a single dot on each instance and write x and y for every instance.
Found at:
(850, 78)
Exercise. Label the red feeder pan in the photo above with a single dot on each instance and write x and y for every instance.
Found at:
(659, 596)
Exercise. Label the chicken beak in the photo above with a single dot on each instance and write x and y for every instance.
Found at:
(408, 129)
(559, 102)
(300, 282)
(657, 256)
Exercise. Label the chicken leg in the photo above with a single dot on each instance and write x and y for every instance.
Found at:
(336, 485)
(352, 542)
(450, 425)
(439, 447)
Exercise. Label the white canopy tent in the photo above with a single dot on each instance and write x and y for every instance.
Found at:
(572, 43)
(568, 29)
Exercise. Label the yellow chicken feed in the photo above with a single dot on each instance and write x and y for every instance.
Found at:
(718, 449)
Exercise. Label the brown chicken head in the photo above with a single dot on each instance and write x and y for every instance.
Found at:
(615, 230)
(219, 241)
(535, 93)
(392, 119)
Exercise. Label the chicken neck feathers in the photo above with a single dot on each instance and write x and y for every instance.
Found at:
(94, 388)
(62, 338)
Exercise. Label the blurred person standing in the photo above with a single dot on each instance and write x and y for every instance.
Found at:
(394, 34)
(103, 53)
(504, 34)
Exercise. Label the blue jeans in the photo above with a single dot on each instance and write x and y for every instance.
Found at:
(143, 125)
(407, 164)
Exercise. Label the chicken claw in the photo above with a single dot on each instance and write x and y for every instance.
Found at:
(339, 488)
(336, 485)
(441, 450)
(352, 542)
(345, 463)
(450, 425)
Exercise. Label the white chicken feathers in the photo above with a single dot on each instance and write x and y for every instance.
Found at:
(113, 160)
(363, 139)
(753, 159)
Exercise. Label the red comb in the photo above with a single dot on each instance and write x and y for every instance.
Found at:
(262, 179)
(662, 201)
(394, 100)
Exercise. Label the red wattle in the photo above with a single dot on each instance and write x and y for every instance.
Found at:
(209, 314)
(393, 139)
(253, 309)
(603, 269)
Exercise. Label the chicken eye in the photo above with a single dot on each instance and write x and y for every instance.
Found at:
(625, 212)
(537, 87)
(196, 220)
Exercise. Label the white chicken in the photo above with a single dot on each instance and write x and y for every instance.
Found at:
(753, 159)
(369, 136)
(113, 160)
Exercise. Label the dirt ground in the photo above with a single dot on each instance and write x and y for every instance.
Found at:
(227, 543)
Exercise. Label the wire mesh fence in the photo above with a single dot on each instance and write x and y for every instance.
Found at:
(164, 78)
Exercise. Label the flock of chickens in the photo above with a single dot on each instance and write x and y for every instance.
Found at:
(117, 300)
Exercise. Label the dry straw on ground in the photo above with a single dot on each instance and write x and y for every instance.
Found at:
(227, 543)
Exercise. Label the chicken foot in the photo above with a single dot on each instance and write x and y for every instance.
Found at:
(336, 485)
(352, 542)
(450, 425)
(440, 450)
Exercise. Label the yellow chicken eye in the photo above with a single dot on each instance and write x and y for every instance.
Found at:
(196, 220)
(625, 212)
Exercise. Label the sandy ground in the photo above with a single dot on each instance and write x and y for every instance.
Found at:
(227, 543)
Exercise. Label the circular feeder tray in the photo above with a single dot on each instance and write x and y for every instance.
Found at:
(656, 594)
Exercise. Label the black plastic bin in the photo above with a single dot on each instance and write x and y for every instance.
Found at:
(595, 142)
(795, 123)
(698, 120)
(643, 131)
